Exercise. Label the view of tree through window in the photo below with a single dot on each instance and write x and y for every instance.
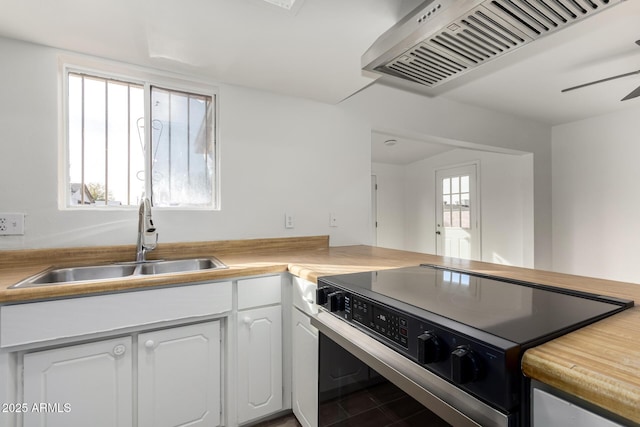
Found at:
(107, 144)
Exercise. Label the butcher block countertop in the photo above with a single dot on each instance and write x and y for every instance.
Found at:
(599, 363)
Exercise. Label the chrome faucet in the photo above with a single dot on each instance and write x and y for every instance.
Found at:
(147, 235)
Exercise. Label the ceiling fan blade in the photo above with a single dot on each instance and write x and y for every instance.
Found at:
(602, 81)
(633, 94)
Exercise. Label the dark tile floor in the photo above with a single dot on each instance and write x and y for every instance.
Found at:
(382, 406)
(286, 421)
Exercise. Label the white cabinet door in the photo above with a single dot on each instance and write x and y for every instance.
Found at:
(81, 385)
(305, 370)
(259, 362)
(179, 376)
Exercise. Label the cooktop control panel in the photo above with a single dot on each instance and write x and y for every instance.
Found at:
(453, 356)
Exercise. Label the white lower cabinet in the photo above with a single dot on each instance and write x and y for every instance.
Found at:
(259, 363)
(305, 369)
(81, 385)
(552, 411)
(178, 381)
(179, 376)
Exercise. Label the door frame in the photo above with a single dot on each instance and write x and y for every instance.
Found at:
(476, 207)
(374, 210)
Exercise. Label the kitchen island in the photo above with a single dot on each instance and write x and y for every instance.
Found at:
(599, 363)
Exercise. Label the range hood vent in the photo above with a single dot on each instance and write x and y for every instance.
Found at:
(443, 39)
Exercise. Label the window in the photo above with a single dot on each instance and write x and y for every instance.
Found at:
(113, 161)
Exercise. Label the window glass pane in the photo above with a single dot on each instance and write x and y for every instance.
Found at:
(446, 186)
(465, 218)
(183, 149)
(200, 145)
(136, 146)
(118, 144)
(446, 215)
(455, 184)
(464, 184)
(453, 215)
(74, 139)
(95, 138)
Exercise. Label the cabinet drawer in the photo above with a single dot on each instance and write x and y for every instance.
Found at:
(23, 324)
(259, 291)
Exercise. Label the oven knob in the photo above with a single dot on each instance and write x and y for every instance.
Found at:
(322, 294)
(429, 348)
(465, 365)
(336, 301)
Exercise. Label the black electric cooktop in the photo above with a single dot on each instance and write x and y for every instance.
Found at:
(519, 312)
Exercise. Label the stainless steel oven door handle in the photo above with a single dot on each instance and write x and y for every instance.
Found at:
(447, 401)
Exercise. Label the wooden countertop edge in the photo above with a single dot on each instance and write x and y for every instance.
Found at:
(613, 395)
(135, 283)
(598, 363)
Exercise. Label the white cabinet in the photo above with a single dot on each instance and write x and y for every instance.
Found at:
(305, 369)
(259, 348)
(179, 376)
(552, 411)
(81, 385)
(178, 381)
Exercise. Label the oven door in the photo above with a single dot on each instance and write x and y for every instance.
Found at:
(362, 382)
(351, 393)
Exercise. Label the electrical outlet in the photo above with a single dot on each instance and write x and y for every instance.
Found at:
(333, 220)
(11, 224)
(288, 220)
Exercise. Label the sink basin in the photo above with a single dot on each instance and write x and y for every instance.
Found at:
(68, 275)
(76, 274)
(180, 265)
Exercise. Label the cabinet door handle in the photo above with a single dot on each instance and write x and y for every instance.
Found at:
(150, 344)
(119, 350)
(247, 320)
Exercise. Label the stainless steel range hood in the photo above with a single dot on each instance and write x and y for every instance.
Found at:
(443, 39)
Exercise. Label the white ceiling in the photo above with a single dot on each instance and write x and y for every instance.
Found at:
(405, 150)
(315, 52)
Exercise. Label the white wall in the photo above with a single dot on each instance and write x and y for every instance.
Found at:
(390, 205)
(278, 154)
(596, 202)
(506, 209)
(419, 117)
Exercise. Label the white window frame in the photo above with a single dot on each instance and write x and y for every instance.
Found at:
(146, 78)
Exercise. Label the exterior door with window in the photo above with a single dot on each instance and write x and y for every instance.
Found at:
(457, 213)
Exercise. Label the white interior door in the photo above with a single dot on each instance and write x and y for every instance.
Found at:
(457, 212)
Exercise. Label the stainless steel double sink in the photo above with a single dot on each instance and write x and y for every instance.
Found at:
(69, 275)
